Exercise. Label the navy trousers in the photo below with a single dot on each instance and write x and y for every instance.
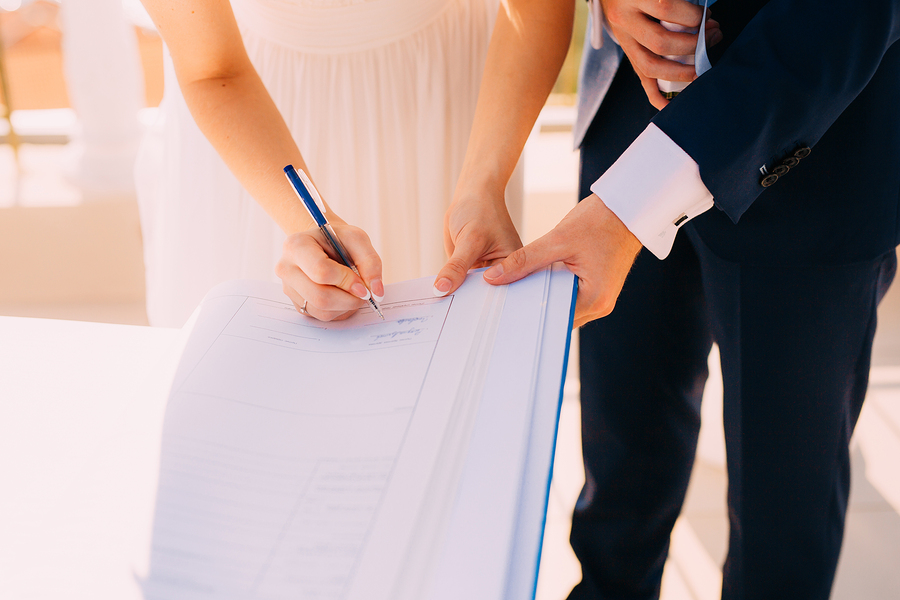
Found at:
(795, 343)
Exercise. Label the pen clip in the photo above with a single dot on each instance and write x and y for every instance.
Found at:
(312, 190)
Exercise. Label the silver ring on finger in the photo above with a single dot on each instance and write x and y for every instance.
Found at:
(303, 310)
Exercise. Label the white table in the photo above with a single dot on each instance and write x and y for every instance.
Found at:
(81, 410)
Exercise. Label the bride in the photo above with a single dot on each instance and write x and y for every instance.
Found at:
(372, 98)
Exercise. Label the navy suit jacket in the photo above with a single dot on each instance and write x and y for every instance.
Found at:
(794, 74)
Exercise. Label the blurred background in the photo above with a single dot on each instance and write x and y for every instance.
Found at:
(79, 81)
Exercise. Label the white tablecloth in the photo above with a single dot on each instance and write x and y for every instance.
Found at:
(81, 410)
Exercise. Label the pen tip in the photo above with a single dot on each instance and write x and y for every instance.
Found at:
(376, 309)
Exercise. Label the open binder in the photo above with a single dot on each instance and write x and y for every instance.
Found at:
(408, 458)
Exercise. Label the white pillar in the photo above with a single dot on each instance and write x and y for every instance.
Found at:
(106, 89)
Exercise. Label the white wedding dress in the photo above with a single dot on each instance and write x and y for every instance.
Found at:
(379, 96)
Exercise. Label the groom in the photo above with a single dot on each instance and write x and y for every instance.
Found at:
(758, 210)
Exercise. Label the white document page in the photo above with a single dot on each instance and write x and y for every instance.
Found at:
(494, 529)
(295, 451)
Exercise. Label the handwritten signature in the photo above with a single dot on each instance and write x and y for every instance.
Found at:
(409, 320)
(412, 331)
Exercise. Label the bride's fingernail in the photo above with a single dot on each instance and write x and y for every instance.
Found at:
(442, 287)
(377, 290)
(360, 291)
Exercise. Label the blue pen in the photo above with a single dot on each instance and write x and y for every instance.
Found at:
(311, 200)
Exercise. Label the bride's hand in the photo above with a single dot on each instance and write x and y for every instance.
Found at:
(478, 232)
(322, 287)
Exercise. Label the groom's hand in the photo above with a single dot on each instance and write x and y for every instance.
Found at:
(593, 243)
(635, 23)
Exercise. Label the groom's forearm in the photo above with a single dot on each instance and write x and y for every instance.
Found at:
(785, 79)
(527, 49)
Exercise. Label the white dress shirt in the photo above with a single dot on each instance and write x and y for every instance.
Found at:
(654, 188)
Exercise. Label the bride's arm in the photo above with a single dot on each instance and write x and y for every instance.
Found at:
(229, 103)
(527, 49)
(233, 109)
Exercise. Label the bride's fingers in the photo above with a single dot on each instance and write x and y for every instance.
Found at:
(323, 283)
(307, 251)
(296, 280)
(304, 307)
(367, 260)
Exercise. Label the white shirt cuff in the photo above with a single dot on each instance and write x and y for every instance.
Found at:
(654, 188)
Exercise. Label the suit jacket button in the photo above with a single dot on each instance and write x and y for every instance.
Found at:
(791, 161)
(781, 170)
(768, 180)
(802, 152)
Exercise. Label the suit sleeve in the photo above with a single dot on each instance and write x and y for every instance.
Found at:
(777, 89)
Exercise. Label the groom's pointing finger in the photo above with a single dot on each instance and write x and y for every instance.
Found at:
(521, 263)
